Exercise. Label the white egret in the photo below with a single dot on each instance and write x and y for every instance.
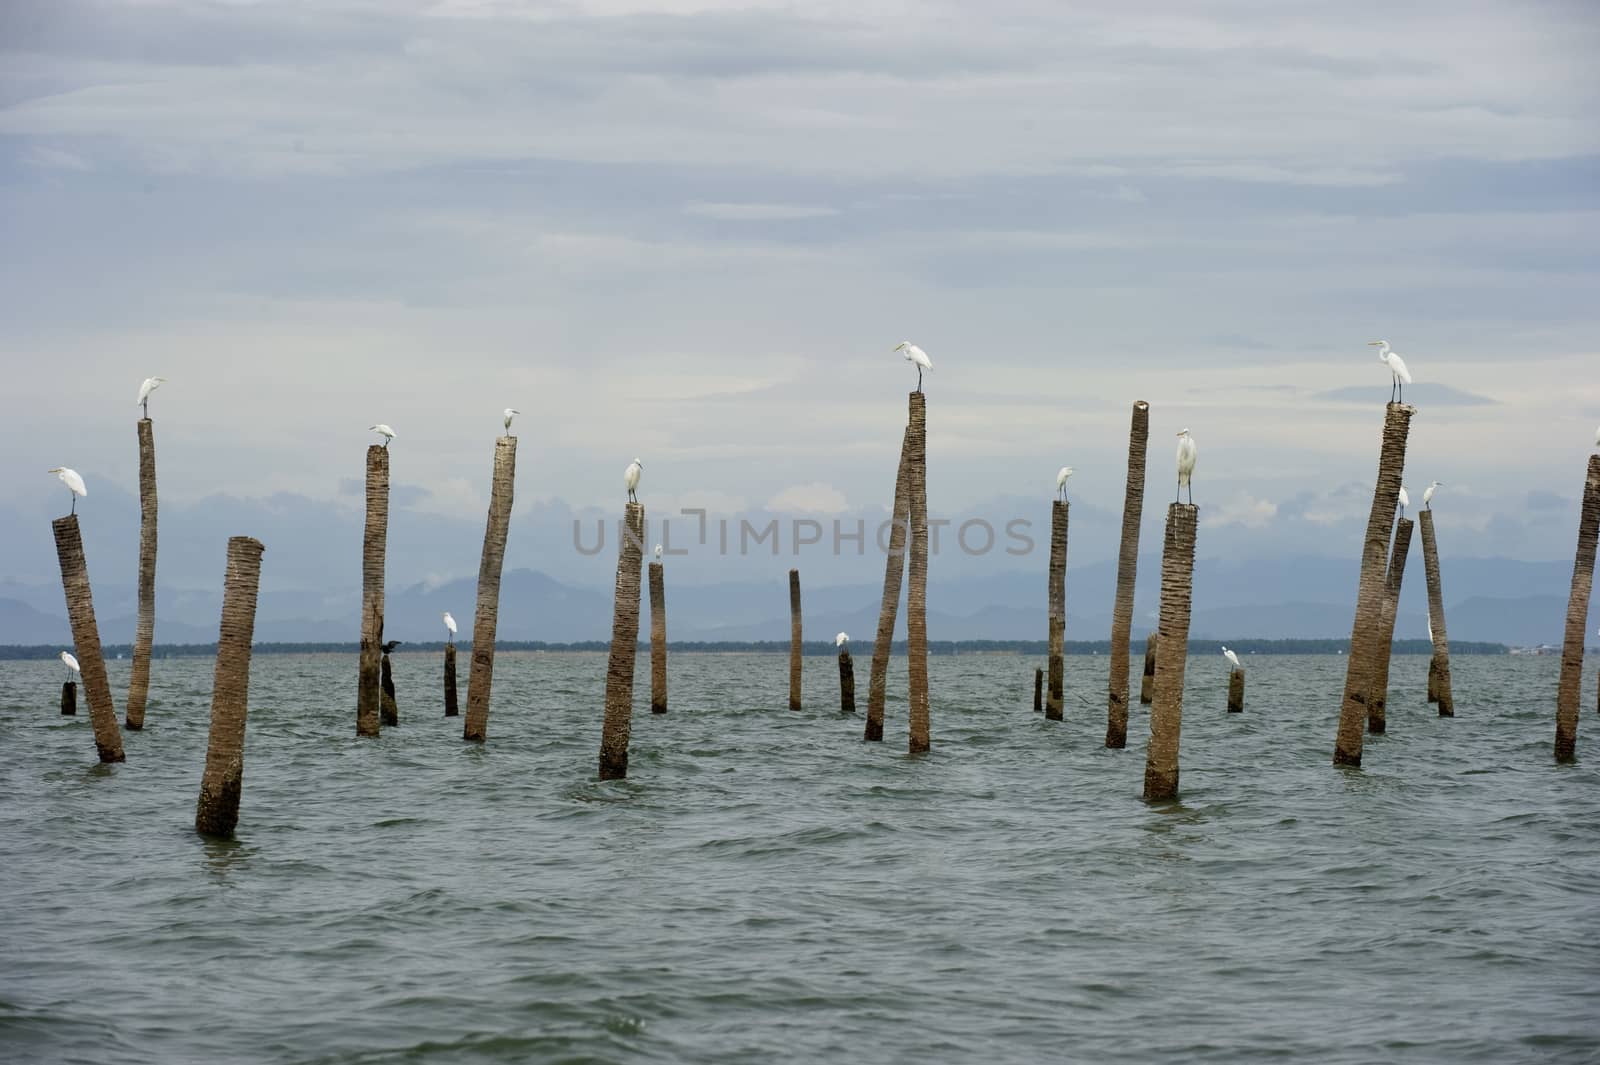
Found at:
(74, 483)
(510, 412)
(1399, 376)
(449, 623)
(841, 639)
(1405, 501)
(1427, 493)
(1061, 481)
(658, 552)
(1233, 659)
(916, 355)
(70, 662)
(1187, 453)
(384, 431)
(630, 478)
(149, 386)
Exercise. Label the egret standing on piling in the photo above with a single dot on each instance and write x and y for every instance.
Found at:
(1405, 501)
(509, 413)
(149, 386)
(630, 478)
(1399, 376)
(449, 624)
(70, 478)
(658, 552)
(1187, 454)
(1233, 659)
(1427, 494)
(1061, 481)
(383, 430)
(71, 663)
(841, 639)
(916, 355)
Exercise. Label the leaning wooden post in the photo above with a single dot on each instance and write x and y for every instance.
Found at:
(624, 643)
(893, 570)
(480, 672)
(390, 708)
(86, 638)
(1440, 664)
(1166, 714)
(145, 630)
(1127, 573)
(847, 682)
(1378, 690)
(69, 699)
(451, 707)
(1236, 692)
(1038, 690)
(374, 544)
(1147, 685)
(217, 811)
(794, 639)
(917, 574)
(658, 639)
(1058, 608)
(1369, 596)
(1433, 675)
(1570, 688)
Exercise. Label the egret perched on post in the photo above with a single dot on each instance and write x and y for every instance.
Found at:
(1405, 501)
(449, 624)
(1427, 494)
(384, 431)
(70, 478)
(149, 386)
(510, 412)
(917, 355)
(1187, 454)
(1233, 659)
(630, 478)
(1399, 376)
(1061, 481)
(71, 663)
(658, 552)
(841, 639)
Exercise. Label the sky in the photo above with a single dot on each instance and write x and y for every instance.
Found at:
(693, 232)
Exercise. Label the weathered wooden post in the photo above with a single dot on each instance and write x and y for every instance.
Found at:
(451, 707)
(1570, 688)
(1127, 573)
(1038, 690)
(624, 643)
(1365, 631)
(69, 699)
(1439, 666)
(658, 638)
(217, 811)
(1378, 690)
(486, 619)
(893, 571)
(374, 545)
(145, 629)
(390, 708)
(1236, 692)
(1147, 685)
(1166, 714)
(847, 681)
(1433, 674)
(1058, 609)
(794, 639)
(917, 574)
(86, 638)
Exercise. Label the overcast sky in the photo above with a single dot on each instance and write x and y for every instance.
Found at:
(693, 231)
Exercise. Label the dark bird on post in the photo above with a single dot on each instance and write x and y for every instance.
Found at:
(389, 647)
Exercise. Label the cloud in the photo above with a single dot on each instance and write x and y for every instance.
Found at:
(46, 157)
(813, 498)
(758, 212)
(1421, 395)
(1242, 509)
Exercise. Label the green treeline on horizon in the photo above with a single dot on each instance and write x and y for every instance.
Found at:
(812, 647)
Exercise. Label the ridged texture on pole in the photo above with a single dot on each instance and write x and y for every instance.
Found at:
(69, 699)
(1570, 688)
(1147, 684)
(1058, 609)
(391, 709)
(217, 812)
(917, 574)
(1236, 692)
(374, 545)
(486, 619)
(1166, 713)
(624, 643)
(145, 630)
(847, 682)
(1433, 677)
(451, 707)
(658, 639)
(1127, 575)
(86, 638)
(794, 639)
(1378, 689)
(1038, 690)
(1441, 639)
(893, 571)
(1369, 595)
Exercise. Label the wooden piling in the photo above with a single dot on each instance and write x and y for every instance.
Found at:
(624, 642)
(217, 811)
(374, 545)
(145, 629)
(1147, 685)
(794, 639)
(86, 638)
(1440, 663)
(1433, 676)
(1038, 690)
(1058, 609)
(893, 571)
(1236, 692)
(1569, 690)
(847, 682)
(1166, 713)
(658, 639)
(451, 707)
(1127, 574)
(917, 575)
(69, 699)
(486, 619)
(1365, 630)
(1378, 688)
(390, 708)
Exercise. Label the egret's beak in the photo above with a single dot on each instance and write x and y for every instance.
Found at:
(1374, 343)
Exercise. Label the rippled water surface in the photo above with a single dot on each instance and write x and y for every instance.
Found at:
(767, 887)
